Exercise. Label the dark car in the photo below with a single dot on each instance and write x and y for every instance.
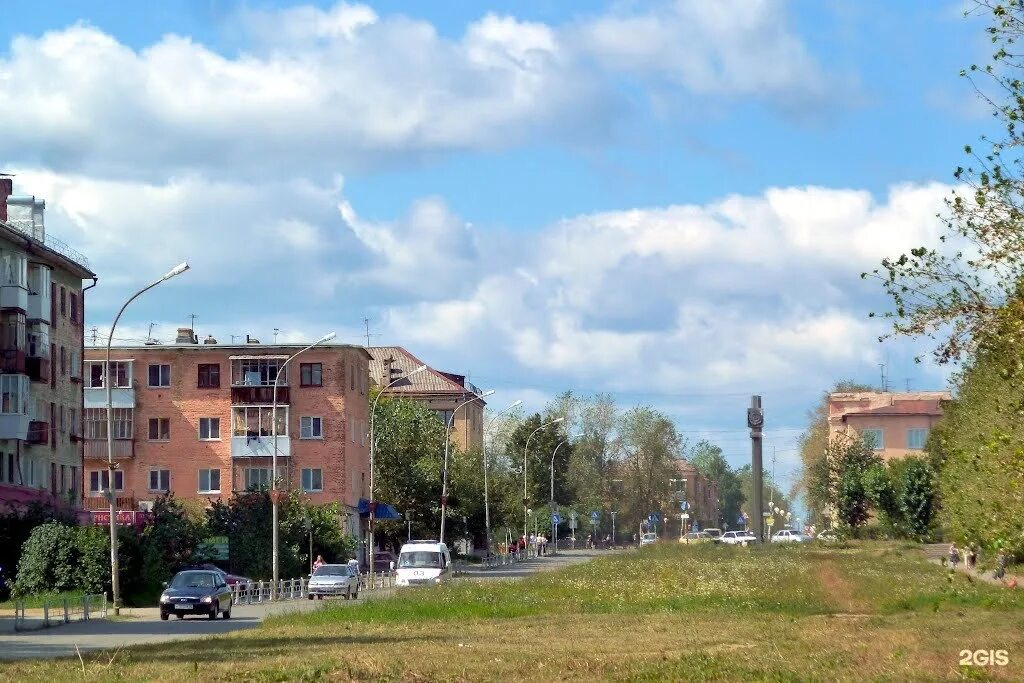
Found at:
(382, 560)
(196, 591)
(230, 579)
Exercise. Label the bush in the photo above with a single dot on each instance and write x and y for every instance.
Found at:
(49, 560)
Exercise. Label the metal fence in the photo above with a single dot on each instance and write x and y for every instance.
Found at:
(297, 589)
(59, 611)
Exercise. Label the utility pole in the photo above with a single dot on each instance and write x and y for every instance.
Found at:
(192, 327)
(366, 324)
(755, 421)
(277, 330)
(95, 331)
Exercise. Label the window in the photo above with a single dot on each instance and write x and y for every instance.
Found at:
(63, 424)
(311, 375)
(159, 429)
(99, 481)
(352, 429)
(15, 269)
(362, 433)
(257, 372)
(257, 478)
(312, 480)
(159, 480)
(14, 394)
(74, 308)
(873, 437)
(63, 362)
(311, 428)
(209, 481)
(39, 341)
(444, 415)
(352, 377)
(916, 438)
(73, 425)
(96, 423)
(255, 421)
(209, 375)
(73, 482)
(159, 375)
(120, 373)
(209, 429)
(63, 301)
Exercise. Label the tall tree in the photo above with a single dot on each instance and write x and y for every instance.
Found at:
(648, 449)
(710, 462)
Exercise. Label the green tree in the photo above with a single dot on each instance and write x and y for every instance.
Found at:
(710, 462)
(852, 461)
(648, 448)
(538, 459)
(58, 557)
(772, 492)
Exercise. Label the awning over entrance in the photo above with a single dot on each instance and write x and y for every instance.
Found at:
(383, 511)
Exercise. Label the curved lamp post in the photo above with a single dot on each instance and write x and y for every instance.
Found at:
(526, 498)
(274, 494)
(115, 581)
(553, 454)
(447, 441)
(373, 444)
(487, 505)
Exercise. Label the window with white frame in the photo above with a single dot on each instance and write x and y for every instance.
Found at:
(257, 372)
(159, 480)
(159, 429)
(873, 438)
(256, 421)
(120, 373)
(209, 429)
(310, 428)
(257, 478)
(95, 423)
(39, 341)
(312, 480)
(99, 481)
(15, 269)
(159, 375)
(14, 394)
(209, 481)
(916, 438)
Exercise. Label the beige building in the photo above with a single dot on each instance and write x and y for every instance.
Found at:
(41, 337)
(897, 423)
(441, 392)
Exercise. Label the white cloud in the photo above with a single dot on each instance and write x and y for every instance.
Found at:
(313, 90)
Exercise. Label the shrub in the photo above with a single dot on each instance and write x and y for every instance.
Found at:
(49, 560)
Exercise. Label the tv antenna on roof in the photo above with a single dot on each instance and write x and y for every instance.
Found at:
(366, 323)
(277, 330)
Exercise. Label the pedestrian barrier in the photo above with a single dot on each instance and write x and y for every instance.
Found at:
(297, 589)
(59, 611)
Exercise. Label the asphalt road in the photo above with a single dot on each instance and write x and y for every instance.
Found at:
(143, 626)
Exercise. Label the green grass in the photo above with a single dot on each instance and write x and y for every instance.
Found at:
(865, 611)
(36, 601)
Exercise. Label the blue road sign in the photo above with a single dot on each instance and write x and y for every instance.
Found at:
(654, 517)
(594, 516)
(556, 518)
(685, 505)
(739, 520)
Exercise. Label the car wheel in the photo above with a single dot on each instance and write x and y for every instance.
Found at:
(163, 616)
(355, 596)
(227, 613)
(214, 610)
(310, 596)
(348, 595)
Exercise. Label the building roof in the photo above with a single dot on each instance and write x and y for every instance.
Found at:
(240, 349)
(902, 408)
(49, 248)
(430, 381)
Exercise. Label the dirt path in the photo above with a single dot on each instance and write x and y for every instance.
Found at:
(838, 589)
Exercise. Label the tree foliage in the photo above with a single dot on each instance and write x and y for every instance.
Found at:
(58, 557)
(707, 458)
(853, 465)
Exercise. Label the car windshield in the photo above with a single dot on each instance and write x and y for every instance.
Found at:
(194, 580)
(331, 570)
(420, 558)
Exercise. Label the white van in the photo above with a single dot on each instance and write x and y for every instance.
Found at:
(422, 563)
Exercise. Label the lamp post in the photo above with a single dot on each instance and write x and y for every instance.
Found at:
(553, 454)
(614, 512)
(115, 581)
(373, 447)
(526, 498)
(447, 442)
(275, 495)
(487, 504)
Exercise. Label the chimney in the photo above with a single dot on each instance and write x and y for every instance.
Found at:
(186, 336)
(6, 190)
(251, 340)
(209, 339)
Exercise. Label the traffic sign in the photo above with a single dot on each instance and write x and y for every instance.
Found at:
(556, 518)
(685, 515)
(685, 505)
(594, 516)
(740, 519)
(770, 521)
(654, 517)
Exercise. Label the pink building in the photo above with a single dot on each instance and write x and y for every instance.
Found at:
(897, 423)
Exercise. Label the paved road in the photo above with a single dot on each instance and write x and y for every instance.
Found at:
(144, 626)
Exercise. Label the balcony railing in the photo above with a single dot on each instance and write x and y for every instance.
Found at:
(259, 395)
(12, 361)
(37, 369)
(38, 433)
(97, 448)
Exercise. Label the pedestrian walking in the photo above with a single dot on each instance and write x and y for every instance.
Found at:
(972, 556)
(1000, 571)
(954, 555)
(319, 562)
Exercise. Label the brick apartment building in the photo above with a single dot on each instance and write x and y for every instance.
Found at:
(897, 423)
(196, 420)
(700, 492)
(442, 392)
(41, 338)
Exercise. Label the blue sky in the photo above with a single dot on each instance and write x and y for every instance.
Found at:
(671, 201)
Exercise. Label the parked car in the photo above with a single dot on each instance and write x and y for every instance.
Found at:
(738, 538)
(196, 591)
(423, 564)
(716, 534)
(787, 536)
(697, 537)
(382, 560)
(333, 579)
(648, 539)
(230, 579)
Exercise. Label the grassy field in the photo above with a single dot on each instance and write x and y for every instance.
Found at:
(868, 612)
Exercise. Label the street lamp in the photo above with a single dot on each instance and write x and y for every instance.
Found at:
(487, 505)
(526, 498)
(275, 495)
(373, 446)
(115, 581)
(553, 454)
(447, 442)
(614, 512)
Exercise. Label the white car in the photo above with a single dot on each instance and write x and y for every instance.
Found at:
(787, 536)
(648, 539)
(738, 538)
(423, 563)
(333, 579)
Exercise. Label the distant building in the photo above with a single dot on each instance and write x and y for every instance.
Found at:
(439, 391)
(42, 310)
(699, 492)
(196, 420)
(896, 423)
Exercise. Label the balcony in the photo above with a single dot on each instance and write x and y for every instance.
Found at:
(121, 397)
(12, 361)
(14, 297)
(97, 448)
(14, 426)
(259, 446)
(258, 395)
(38, 433)
(93, 502)
(37, 369)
